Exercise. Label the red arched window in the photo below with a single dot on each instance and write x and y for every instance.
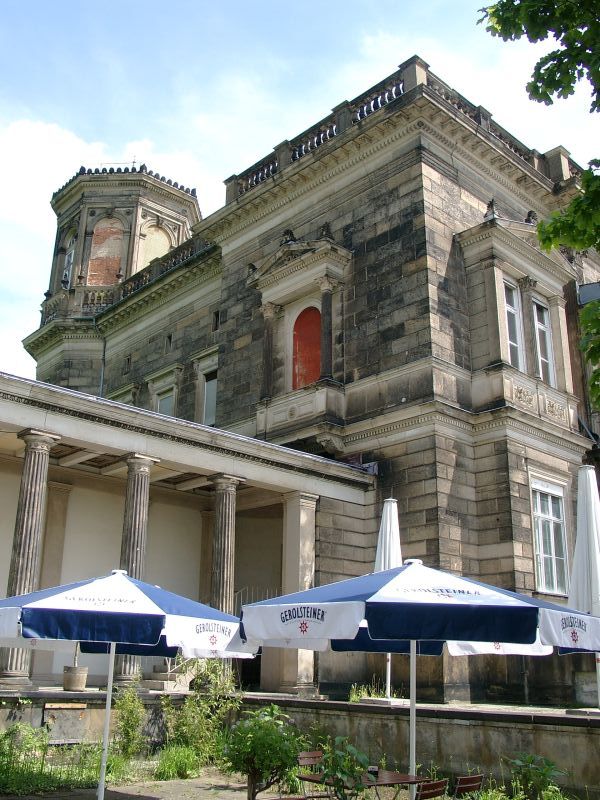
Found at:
(306, 367)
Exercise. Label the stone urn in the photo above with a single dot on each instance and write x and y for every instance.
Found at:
(75, 677)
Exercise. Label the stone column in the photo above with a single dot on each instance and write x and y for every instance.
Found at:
(326, 285)
(527, 287)
(268, 310)
(133, 542)
(297, 574)
(223, 560)
(560, 344)
(26, 554)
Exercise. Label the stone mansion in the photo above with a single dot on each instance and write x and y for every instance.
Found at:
(222, 404)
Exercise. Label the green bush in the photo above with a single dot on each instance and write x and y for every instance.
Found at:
(264, 746)
(343, 766)
(201, 721)
(176, 761)
(28, 765)
(130, 716)
(533, 774)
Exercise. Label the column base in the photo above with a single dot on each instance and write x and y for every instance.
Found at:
(16, 679)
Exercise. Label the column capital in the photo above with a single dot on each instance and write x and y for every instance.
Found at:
(223, 481)
(42, 439)
(140, 463)
(327, 284)
(269, 310)
(304, 498)
(527, 284)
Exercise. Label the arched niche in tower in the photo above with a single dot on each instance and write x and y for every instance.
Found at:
(155, 241)
(106, 252)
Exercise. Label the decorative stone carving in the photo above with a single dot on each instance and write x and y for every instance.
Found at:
(524, 396)
(527, 284)
(556, 410)
(287, 237)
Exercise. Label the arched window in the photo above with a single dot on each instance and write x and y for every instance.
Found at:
(69, 257)
(105, 257)
(306, 367)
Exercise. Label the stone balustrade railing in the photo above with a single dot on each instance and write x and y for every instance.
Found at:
(342, 117)
(412, 73)
(89, 301)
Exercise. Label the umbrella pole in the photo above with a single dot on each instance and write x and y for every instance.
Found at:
(109, 688)
(412, 724)
(388, 676)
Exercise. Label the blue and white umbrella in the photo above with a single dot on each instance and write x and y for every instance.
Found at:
(584, 590)
(398, 609)
(388, 556)
(118, 614)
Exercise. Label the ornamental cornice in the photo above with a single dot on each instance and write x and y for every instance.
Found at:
(290, 260)
(156, 295)
(383, 132)
(494, 231)
(469, 157)
(327, 165)
(74, 190)
(433, 418)
(465, 424)
(56, 331)
(508, 422)
(218, 442)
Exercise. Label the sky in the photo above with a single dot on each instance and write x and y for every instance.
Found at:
(201, 90)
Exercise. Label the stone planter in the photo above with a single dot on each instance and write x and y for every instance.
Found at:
(74, 678)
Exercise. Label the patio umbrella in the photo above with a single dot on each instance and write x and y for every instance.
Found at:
(584, 591)
(388, 556)
(398, 608)
(118, 614)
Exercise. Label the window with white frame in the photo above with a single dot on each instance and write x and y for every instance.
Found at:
(164, 388)
(514, 326)
(165, 402)
(205, 367)
(551, 564)
(543, 342)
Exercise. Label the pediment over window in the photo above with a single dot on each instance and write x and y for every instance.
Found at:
(296, 268)
(516, 244)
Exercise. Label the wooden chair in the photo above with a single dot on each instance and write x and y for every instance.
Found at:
(429, 789)
(307, 760)
(464, 784)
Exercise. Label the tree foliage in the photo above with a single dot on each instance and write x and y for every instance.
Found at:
(578, 225)
(575, 26)
(264, 746)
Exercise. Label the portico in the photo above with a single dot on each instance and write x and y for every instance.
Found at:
(160, 498)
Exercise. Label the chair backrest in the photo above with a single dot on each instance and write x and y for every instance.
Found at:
(308, 758)
(429, 789)
(464, 784)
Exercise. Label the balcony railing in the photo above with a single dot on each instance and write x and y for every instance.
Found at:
(87, 301)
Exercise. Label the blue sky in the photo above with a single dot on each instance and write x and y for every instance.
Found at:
(201, 90)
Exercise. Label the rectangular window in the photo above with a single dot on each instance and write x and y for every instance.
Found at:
(165, 402)
(210, 398)
(550, 540)
(514, 326)
(543, 340)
